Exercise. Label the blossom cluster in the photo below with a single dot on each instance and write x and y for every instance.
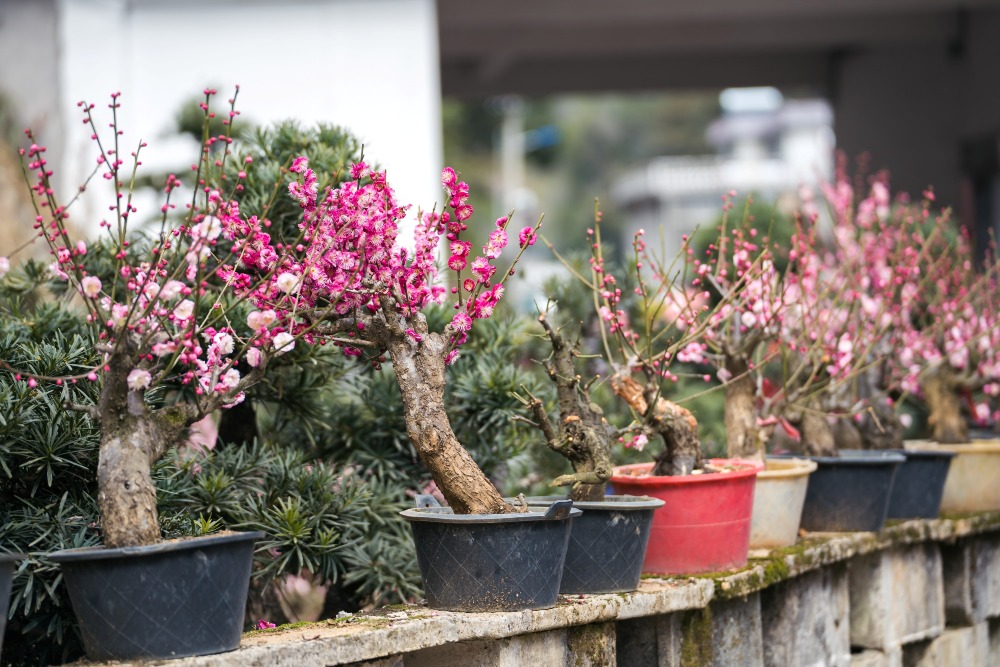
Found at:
(218, 294)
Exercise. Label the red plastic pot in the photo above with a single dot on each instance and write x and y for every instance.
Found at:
(704, 525)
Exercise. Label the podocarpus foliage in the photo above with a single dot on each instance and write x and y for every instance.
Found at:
(190, 320)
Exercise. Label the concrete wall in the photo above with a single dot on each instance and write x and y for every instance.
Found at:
(918, 594)
(913, 106)
(369, 65)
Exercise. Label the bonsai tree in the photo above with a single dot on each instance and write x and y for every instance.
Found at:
(915, 269)
(188, 319)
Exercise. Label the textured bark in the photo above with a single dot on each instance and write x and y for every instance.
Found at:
(584, 436)
(676, 425)
(132, 438)
(744, 439)
(881, 428)
(945, 419)
(817, 435)
(420, 372)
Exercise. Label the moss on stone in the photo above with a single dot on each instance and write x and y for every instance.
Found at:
(696, 638)
(588, 644)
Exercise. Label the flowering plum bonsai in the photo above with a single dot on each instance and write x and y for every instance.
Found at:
(187, 318)
(914, 269)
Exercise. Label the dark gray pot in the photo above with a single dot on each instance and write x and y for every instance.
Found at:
(849, 492)
(607, 544)
(491, 562)
(166, 600)
(919, 484)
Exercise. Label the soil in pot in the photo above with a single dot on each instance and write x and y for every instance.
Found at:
(491, 562)
(777, 502)
(919, 485)
(167, 600)
(704, 525)
(973, 482)
(607, 544)
(850, 492)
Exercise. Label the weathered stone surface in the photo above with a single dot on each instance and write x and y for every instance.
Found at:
(897, 596)
(972, 579)
(541, 648)
(872, 658)
(591, 645)
(637, 642)
(994, 646)
(957, 647)
(674, 622)
(806, 620)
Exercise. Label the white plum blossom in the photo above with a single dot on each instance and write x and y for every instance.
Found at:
(284, 342)
(224, 343)
(91, 286)
(287, 282)
(253, 357)
(171, 289)
(138, 378)
(230, 378)
(184, 310)
(4, 266)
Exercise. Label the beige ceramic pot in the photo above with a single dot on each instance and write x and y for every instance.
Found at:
(973, 483)
(777, 502)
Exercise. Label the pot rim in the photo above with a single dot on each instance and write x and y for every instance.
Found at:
(444, 515)
(853, 457)
(797, 467)
(619, 503)
(925, 453)
(83, 554)
(748, 469)
(971, 447)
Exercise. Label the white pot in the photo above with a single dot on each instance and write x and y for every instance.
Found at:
(973, 483)
(777, 502)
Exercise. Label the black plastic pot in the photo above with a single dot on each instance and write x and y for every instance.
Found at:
(167, 600)
(606, 544)
(8, 563)
(491, 562)
(919, 485)
(850, 492)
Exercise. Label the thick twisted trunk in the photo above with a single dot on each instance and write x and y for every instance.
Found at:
(676, 425)
(817, 434)
(946, 421)
(584, 436)
(420, 372)
(126, 494)
(743, 437)
(132, 438)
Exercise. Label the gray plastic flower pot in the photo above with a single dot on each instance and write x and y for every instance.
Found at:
(607, 543)
(8, 562)
(849, 492)
(919, 485)
(491, 562)
(166, 600)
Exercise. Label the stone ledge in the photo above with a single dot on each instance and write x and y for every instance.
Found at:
(817, 550)
(410, 628)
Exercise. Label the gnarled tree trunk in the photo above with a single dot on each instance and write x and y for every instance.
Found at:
(743, 435)
(132, 439)
(947, 423)
(817, 434)
(676, 425)
(584, 436)
(420, 372)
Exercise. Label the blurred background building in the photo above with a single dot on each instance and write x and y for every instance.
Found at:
(914, 83)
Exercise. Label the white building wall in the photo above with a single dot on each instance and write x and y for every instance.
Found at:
(368, 65)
